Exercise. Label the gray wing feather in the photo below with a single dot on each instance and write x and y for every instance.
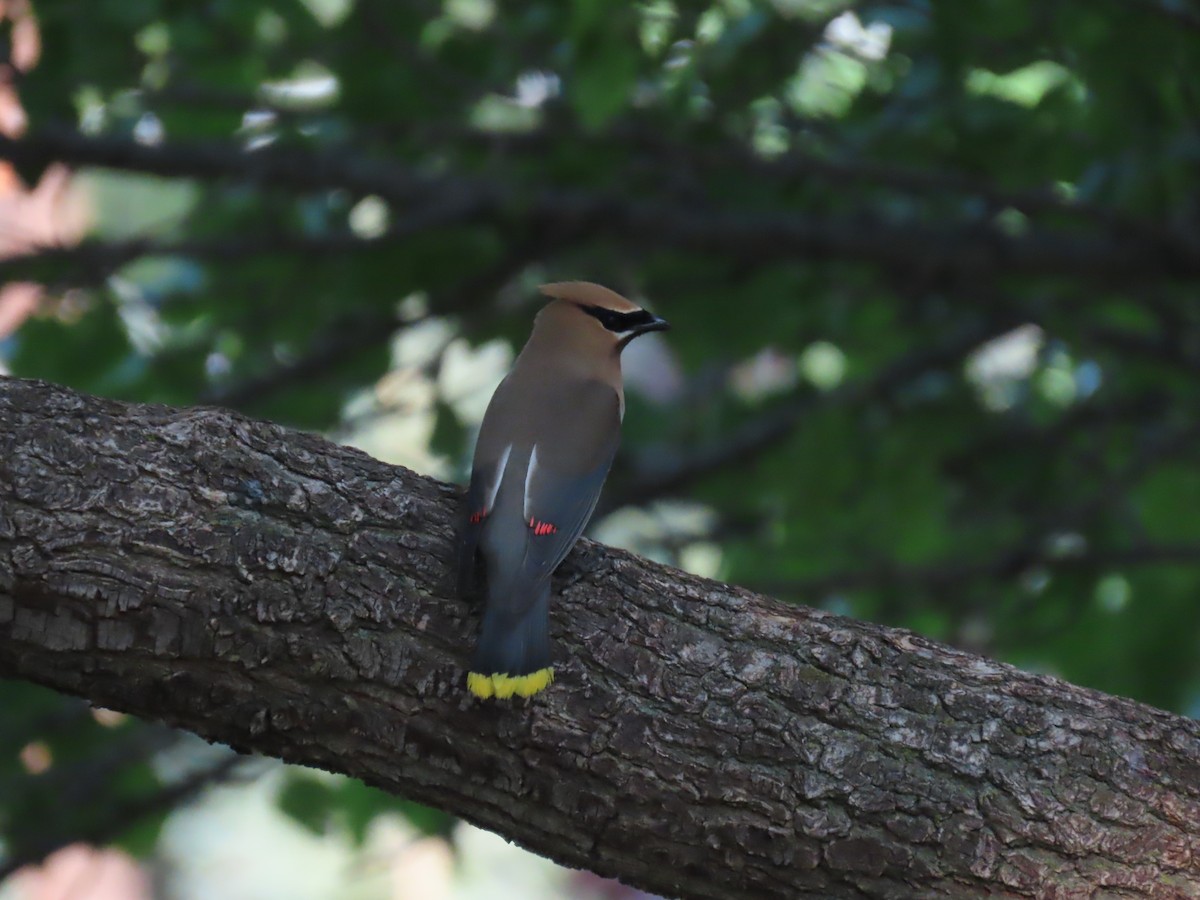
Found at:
(572, 504)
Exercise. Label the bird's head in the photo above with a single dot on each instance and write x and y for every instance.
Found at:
(586, 305)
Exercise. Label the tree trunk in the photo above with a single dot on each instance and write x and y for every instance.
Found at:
(290, 597)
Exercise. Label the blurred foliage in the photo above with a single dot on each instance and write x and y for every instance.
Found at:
(321, 802)
(966, 403)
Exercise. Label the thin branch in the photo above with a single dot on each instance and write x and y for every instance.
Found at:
(74, 784)
(91, 262)
(1011, 563)
(374, 328)
(761, 434)
(672, 151)
(285, 167)
(1079, 517)
(1010, 433)
(1178, 12)
(963, 250)
(121, 817)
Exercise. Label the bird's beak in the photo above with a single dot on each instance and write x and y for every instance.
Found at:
(655, 324)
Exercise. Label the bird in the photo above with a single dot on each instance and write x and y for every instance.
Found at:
(544, 449)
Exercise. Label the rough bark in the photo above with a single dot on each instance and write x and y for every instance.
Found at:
(291, 597)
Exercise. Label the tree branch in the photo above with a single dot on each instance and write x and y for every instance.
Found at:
(960, 250)
(374, 327)
(1007, 564)
(652, 481)
(91, 261)
(288, 596)
(123, 816)
(671, 151)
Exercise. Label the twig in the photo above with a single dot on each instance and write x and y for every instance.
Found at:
(1007, 564)
(763, 433)
(122, 817)
(956, 250)
(374, 328)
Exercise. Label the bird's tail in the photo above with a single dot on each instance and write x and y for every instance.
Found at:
(513, 653)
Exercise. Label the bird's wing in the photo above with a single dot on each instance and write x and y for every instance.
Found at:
(491, 460)
(567, 469)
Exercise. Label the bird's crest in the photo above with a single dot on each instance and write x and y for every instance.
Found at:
(585, 293)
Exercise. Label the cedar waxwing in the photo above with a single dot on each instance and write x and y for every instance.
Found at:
(547, 440)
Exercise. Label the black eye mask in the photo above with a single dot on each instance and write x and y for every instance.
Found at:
(620, 322)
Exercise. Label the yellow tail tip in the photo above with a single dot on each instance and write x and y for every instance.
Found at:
(502, 687)
(480, 685)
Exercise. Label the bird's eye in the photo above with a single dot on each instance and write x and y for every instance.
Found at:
(619, 322)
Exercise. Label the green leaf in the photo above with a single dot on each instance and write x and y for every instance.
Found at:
(601, 83)
(309, 802)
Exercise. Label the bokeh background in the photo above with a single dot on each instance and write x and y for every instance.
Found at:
(932, 266)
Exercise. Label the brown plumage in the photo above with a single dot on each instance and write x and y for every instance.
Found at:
(547, 440)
